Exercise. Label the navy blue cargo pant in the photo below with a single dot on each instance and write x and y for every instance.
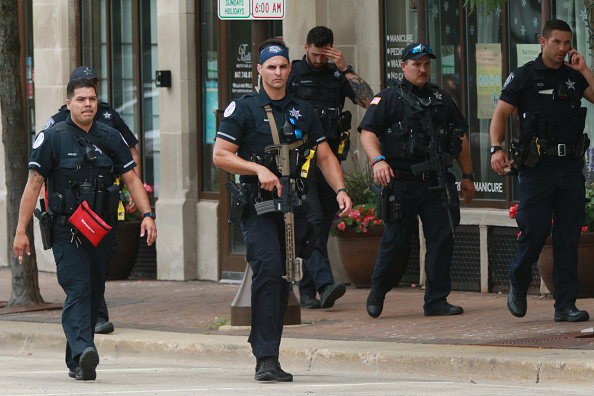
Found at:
(264, 238)
(551, 194)
(416, 199)
(81, 272)
(321, 201)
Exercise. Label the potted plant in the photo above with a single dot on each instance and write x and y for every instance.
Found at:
(359, 233)
(585, 250)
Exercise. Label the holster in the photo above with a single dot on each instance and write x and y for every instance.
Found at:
(309, 242)
(45, 226)
(535, 153)
(387, 204)
(518, 154)
(239, 201)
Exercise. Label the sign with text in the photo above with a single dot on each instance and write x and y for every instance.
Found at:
(251, 9)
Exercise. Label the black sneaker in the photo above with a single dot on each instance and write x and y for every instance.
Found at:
(375, 304)
(88, 362)
(266, 369)
(309, 302)
(571, 315)
(331, 293)
(103, 326)
(445, 309)
(72, 372)
(282, 375)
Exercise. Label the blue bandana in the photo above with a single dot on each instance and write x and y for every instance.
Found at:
(272, 51)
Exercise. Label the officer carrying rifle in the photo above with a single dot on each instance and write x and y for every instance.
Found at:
(269, 138)
(411, 132)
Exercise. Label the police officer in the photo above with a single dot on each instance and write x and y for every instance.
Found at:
(73, 157)
(107, 115)
(325, 86)
(244, 133)
(547, 93)
(407, 119)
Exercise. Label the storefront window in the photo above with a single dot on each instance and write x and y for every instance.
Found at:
(126, 64)
(209, 90)
(484, 76)
(401, 30)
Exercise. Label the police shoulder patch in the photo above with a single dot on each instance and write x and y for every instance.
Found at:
(49, 123)
(39, 140)
(509, 79)
(230, 109)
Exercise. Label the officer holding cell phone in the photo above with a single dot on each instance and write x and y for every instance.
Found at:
(77, 159)
(549, 158)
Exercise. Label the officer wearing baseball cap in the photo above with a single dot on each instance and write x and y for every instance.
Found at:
(397, 132)
(106, 115)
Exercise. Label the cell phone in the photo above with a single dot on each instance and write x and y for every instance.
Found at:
(568, 56)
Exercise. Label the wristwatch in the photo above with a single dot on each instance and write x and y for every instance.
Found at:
(342, 189)
(150, 214)
(495, 148)
(468, 176)
(349, 69)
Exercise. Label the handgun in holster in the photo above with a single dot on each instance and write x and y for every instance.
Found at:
(535, 153)
(387, 204)
(309, 242)
(239, 201)
(45, 226)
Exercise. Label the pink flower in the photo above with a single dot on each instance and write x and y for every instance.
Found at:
(341, 226)
(519, 233)
(364, 229)
(513, 211)
(584, 229)
(377, 222)
(129, 209)
(148, 188)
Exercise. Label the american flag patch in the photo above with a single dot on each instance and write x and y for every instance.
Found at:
(375, 100)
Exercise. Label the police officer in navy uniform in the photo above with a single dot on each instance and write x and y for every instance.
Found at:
(71, 164)
(394, 120)
(243, 135)
(325, 86)
(551, 186)
(107, 115)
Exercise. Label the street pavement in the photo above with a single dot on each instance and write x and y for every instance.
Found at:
(187, 320)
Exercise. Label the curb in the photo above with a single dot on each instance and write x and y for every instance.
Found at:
(512, 364)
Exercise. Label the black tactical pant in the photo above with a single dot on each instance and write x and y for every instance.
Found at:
(81, 272)
(264, 238)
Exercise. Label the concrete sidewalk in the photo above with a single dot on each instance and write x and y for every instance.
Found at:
(182, 320)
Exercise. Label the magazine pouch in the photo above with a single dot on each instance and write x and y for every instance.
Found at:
(89, 223)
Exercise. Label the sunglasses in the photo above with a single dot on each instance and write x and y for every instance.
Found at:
(420, 49)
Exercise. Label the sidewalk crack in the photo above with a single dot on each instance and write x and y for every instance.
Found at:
(538, 372)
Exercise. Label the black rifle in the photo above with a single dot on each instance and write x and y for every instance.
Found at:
(438, 160)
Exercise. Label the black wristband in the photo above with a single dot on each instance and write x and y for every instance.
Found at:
(342, 189)
(469, 176)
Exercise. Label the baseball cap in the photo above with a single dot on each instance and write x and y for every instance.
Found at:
(417, 51)
(83, 72)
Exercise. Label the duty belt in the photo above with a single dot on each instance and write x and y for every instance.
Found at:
(561, 150)
(405, 175)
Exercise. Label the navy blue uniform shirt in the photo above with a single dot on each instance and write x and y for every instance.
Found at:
(106, 115)
(250, 130)
(47, 152)
(387, 108)
(519, 89)
(330, 71)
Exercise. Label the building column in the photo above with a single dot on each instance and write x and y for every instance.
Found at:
(176, 206)
(54, 53)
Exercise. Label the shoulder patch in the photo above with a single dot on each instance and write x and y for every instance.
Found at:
(49, 123)
(375, 100)
(509, 79)
(230, 109)
(39, 140)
